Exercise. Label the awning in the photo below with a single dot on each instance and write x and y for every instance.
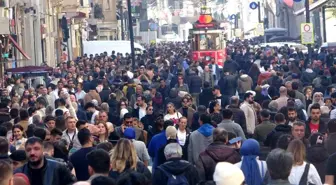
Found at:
(312, 7)
(18, 47)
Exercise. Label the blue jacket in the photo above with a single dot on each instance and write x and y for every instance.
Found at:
(155, 144)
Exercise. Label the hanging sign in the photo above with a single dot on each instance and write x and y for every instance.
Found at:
(307, 33)
(233, 16)
(253, 5)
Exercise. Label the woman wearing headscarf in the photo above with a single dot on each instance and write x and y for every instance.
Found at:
(254, 169)
(317, 98)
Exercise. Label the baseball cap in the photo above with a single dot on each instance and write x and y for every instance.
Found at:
(129, 133)
(223, 176)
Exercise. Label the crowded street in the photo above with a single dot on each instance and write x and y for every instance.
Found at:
(206, 104)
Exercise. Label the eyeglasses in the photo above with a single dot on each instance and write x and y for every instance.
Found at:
(150, 109)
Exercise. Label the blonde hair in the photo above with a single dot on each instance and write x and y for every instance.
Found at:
(123, 153)
(298, 149)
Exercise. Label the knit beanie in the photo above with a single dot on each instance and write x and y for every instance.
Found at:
(228, 174)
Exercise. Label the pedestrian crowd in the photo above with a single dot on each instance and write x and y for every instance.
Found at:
(268, 116)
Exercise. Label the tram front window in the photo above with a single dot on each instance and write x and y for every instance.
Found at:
(209, 42)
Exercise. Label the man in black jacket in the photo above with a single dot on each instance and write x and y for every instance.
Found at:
(281, 129)
(174, 166)
(195, 85)
(42, 171)
(228, 84)
(206, 95)
(223, 100)
(314, 124)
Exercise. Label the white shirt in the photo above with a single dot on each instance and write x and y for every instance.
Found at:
(130, 74)
(30, 120)
(142, 112)
(297, 171)
(214, 69)
(176, 116)
(80, 95)
(54, 94)
(93, 118)
(181, 136)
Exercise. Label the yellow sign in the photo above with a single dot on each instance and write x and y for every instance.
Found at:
(307, 33)
(238, 32)
(259, 30)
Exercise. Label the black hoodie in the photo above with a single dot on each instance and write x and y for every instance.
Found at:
(205, 97)
(318, 156)
(175, 166)
(279, 130)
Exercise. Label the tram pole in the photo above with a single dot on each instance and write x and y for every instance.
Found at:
(131, 35)
(308, 21)
(259, 12)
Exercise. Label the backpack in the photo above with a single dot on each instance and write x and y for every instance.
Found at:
(175, 179)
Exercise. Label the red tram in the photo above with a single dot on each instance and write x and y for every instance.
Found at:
(207, 39)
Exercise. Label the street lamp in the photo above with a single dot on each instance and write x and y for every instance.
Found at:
(131, 35)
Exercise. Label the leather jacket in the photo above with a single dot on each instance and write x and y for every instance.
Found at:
(54, 173)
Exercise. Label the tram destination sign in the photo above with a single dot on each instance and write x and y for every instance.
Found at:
(208, 25)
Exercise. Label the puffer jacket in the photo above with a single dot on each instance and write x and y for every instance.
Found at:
(244, 83)
(318, 156)
(216, 152)
(53, 173)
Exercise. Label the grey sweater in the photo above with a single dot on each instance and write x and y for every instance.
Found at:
(233, 127)
(197, 144)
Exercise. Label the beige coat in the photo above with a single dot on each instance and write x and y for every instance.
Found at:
(92, 95)
(250, 116)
